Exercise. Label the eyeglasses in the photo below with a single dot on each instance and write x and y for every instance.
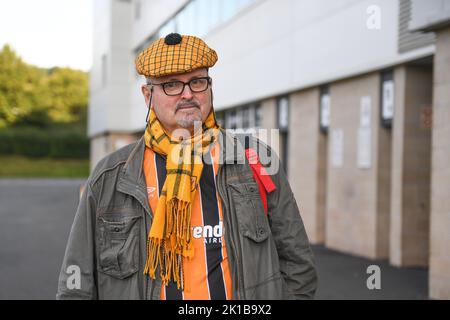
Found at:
(175, 88)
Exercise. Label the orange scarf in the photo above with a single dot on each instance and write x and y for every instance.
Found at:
(170, 236)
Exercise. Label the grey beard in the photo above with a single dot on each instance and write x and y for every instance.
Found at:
(193, 119)
(187, 124)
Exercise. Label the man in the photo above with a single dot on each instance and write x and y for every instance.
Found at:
(189, 211)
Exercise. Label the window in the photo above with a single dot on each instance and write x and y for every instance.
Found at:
(219, 118)
(186, 19)
(229, 9)
(283, 125)
(198, 17)
(104, 70)
(387, 98)
(137, 9)
(324, 112)
(283, 113)
(252, 116)
(203, 17)
(238, 120)
(242, 3)
(216, 10)
(145, 44)
(245, 117)
(258, 116)
(230, 121)
(169, 27)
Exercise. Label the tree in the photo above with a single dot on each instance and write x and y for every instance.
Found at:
(19, 84)
(33, 96)
(68, 91)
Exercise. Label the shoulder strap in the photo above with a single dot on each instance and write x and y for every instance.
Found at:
(262, 178)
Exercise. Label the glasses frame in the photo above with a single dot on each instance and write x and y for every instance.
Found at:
(209, 79)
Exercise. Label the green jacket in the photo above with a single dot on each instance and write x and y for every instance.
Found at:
(270, 257)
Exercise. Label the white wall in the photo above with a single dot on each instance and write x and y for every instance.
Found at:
(284, 45)
(153, 14)
(98, 99)
(122, 66)
(271, 47)
(109, 104)
(429, 13)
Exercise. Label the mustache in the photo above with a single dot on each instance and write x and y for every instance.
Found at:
(187, 103)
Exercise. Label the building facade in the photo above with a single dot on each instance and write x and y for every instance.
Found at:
(359, 93)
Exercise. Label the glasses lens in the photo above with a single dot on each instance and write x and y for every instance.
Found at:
(198, 84)
(174, 87)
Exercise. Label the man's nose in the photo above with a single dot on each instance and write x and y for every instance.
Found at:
(187, 93)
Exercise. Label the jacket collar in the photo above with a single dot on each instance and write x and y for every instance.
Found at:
(132, 180)
(232, 151)
(132, 171)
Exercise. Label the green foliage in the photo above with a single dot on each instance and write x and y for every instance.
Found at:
(68, 91)
(43, 112)
(19, 87)
(56, 142)
(70, 145)
(40, 97)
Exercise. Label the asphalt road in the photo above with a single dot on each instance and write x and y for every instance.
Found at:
(35, 221)
(342, 276)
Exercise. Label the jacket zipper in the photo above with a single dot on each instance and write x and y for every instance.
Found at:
(236, 256)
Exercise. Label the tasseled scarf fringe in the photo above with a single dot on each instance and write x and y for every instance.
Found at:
(167, 253)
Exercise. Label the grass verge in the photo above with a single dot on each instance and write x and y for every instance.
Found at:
(22, 167)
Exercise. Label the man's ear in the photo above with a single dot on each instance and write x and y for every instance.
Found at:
(148, 95)
(146, 92)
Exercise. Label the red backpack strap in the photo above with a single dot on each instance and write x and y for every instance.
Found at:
(262, 178)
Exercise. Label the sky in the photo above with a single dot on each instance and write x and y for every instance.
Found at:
(49, 33)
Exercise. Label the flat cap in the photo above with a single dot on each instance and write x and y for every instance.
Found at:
(175, 54)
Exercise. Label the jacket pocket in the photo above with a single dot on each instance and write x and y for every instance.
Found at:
(118, 244)
(251, 217)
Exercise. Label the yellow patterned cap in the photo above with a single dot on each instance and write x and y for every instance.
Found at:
(175, 54)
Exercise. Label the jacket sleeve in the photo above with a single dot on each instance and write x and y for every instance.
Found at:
(77, 278)
(297, 264)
